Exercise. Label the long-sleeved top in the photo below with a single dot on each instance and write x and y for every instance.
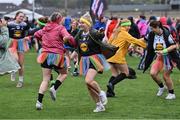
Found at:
(159, 43)
(87, 46)
(7, 62)
(52, 38)
(4, 37)
(142, 25)
(123, 40)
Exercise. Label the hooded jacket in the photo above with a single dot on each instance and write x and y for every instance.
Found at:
(123, 40)
(52, 38)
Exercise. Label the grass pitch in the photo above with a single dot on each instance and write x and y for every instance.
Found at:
(135, 99)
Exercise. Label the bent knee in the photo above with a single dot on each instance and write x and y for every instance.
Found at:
(153, 74)
(88, 81)
(63, 75)
(166, 76)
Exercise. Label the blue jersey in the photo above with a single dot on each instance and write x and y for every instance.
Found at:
(17, 30)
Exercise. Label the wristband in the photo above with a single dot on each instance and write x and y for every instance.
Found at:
(165, 51)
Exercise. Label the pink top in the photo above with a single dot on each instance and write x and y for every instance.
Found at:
(52, 38)
(142, 25)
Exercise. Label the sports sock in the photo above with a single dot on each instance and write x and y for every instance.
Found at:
(111, 79)
(21, 78)
(40, 97)
(119, 78)
(171, 91)
(57, 84)
(161, 85)
(51, 77)
(52, 82)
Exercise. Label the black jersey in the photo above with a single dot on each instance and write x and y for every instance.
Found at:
(87, 46)
(17, 30)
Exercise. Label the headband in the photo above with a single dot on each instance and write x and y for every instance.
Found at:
(85, 21)
(41, 23)
(126, 23)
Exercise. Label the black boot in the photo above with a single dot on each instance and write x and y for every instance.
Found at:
(132, 73)
(110, 88)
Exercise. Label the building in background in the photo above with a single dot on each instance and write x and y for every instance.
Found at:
(175, 4)
(7, 7)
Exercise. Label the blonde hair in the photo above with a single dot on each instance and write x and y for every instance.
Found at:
(118, 29)
(86, 18)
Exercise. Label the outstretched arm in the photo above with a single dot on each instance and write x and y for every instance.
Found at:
(67, 37)
(141, 42)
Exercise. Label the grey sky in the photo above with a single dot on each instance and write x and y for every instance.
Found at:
(17, 2)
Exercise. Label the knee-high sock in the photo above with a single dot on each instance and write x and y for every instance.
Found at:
(119, 78)
(131, 71)
(51, 77)
(40, 97)
(111, 79)
(57, 84)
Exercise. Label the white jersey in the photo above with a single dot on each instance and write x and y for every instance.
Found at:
(159, 42)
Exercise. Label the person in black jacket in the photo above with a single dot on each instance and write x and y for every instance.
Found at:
(91, 61)
(162, 49)
(134, 31)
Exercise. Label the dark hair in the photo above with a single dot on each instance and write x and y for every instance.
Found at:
(153, 18)
(7, 18)
(142, 16)
(156, 24)
(19, 12)
(44, 19)
(131, 19)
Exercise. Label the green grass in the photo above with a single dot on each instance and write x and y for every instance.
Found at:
(136, 99)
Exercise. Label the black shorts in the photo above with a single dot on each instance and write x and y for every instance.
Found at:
(54, 67)
(92, 67)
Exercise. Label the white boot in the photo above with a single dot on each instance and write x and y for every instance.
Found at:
(52, 93)
(13, 76)
(39, 106)
(170, 96)
(20, 82)
(103, 97)
(160, 91)
(99, 107)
